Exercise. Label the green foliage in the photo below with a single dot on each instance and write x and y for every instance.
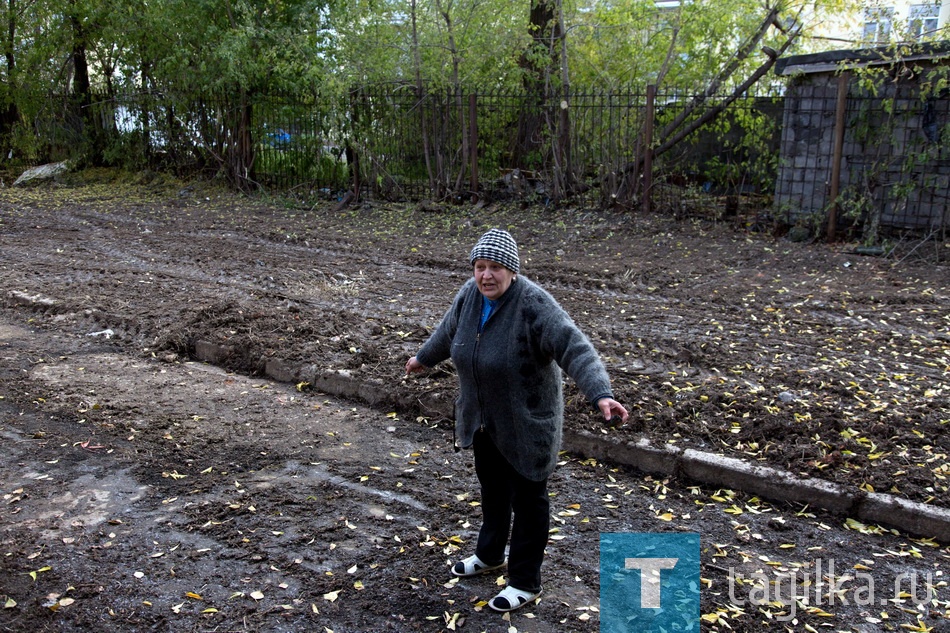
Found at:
(303, 159)
(752, 149)
(124, 150)
(24, 144)
(618, 42)
(375, 43)
(238, 51)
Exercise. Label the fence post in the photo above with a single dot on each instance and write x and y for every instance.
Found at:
(352, 154)
(473, 144)
(648, 149)
(837, 151)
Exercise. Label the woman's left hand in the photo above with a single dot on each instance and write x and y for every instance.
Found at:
(610, 407)
(413, 366)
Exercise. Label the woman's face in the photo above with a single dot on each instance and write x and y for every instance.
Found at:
(492, 278)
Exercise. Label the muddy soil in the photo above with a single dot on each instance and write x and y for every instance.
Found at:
(144, 490)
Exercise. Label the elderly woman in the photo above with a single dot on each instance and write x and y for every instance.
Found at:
(509, 340)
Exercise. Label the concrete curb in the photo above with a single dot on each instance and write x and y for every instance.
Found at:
(917, 519)
(912, 518)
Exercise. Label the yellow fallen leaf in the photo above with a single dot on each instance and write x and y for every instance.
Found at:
(332, 596)
(819, 612)
(193, 595)
(39, 571)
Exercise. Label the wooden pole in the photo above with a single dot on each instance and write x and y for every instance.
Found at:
(648, 149)
(473, 143)
(837, 151)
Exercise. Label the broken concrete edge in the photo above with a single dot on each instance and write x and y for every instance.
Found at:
(15, 298)
(44, 172)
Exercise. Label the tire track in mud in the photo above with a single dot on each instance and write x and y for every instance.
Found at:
(655, 325)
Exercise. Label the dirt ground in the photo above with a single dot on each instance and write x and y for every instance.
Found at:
(144, 490)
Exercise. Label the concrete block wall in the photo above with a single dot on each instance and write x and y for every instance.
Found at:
(890, 156)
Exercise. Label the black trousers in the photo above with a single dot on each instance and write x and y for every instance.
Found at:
(505, 492)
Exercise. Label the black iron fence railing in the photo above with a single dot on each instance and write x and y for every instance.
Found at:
(625, 149)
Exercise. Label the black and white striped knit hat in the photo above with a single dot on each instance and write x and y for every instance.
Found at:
(497, 246)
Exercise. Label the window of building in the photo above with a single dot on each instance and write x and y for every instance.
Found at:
(878, 23)
(922, 20)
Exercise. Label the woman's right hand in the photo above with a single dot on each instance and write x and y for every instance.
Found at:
(413, 366)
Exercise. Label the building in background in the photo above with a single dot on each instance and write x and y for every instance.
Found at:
(904, 21)
(883, 22)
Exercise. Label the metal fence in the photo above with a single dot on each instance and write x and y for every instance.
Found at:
(619, 149)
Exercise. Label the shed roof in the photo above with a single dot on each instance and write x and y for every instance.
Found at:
(830, 61)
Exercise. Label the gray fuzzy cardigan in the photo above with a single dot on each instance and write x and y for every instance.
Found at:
(510, 381)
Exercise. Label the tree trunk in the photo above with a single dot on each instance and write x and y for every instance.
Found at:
(537, 62)
(241, 152)
(682, 127)
(82, 95)
(420, 96)
(445, 12)
(9, 112)
(564, 162)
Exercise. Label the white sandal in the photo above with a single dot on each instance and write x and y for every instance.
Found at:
(511, 598)
(473, 566)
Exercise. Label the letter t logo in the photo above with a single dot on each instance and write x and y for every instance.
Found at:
(649, 578)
